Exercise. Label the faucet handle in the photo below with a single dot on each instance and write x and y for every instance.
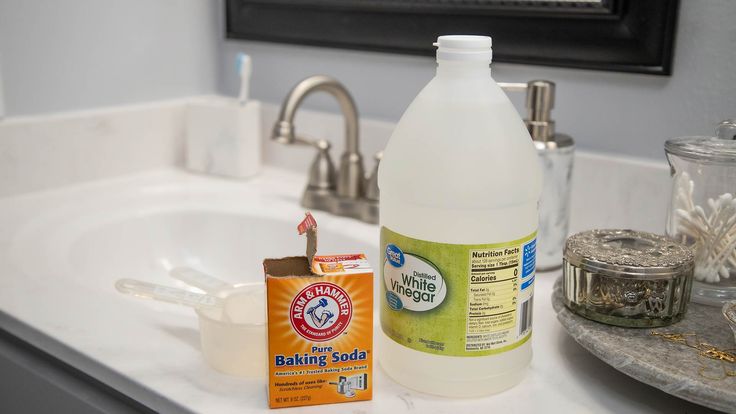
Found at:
(322, 170)
(372, 192)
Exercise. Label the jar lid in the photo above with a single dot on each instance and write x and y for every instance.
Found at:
(628, 254)
(705, 149)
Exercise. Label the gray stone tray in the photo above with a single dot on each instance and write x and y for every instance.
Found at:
(671, 367)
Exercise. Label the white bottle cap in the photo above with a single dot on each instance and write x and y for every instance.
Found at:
(464, 47)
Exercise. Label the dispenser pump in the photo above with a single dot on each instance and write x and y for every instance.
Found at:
(540, 99)
(556, 152)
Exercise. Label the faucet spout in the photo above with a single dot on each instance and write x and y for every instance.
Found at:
(284, 128)
(350, 174)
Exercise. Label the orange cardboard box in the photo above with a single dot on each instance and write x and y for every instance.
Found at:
(320, 327)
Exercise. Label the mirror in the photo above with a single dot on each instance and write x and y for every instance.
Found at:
(614, 35)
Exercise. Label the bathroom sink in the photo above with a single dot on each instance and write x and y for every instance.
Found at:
(147, 246)
(143, 233)
(229, 245)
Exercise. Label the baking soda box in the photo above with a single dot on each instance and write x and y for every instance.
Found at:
(320, 326)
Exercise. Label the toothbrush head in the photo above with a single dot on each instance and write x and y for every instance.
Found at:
(244, 67)
(242, 63)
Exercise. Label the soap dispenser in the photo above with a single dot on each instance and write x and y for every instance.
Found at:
(556, 153)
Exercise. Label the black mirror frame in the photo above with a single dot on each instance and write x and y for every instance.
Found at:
(617, 35)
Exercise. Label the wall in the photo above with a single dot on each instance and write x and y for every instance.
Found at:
(73, 54)
(620, 113)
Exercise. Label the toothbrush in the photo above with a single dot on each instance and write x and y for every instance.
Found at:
(192, 277)
(244, 66)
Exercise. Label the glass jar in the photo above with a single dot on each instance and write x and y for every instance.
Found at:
(627, 278)
(702, 211)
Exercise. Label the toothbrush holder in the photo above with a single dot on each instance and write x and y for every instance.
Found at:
(223, 137)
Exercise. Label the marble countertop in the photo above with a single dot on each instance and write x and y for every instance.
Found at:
(152, 354)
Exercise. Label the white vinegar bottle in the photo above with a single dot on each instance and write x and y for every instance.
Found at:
(459, 183)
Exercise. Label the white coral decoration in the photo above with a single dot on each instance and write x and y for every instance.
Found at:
(714, 235)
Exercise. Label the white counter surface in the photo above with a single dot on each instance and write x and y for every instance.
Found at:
(51, 297)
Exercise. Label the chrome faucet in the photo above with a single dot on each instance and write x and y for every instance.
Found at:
(346, 192)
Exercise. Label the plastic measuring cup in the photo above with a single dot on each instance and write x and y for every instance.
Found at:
(236, 345)
(232, 318)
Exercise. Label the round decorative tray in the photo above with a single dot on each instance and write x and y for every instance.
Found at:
(672, 367)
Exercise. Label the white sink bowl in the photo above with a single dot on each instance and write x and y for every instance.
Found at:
(228, 245)
(217, 226)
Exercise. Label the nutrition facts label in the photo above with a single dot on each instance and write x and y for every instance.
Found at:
(493, 288)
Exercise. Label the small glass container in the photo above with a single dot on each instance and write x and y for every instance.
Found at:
(702, 210)
(627, 278)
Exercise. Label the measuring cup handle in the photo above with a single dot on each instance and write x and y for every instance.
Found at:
(168, 294)
(193, 277)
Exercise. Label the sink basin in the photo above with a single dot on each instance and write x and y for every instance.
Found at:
(218, 227)
(228, 245)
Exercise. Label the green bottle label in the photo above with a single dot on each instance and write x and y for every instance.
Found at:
(457, 299)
